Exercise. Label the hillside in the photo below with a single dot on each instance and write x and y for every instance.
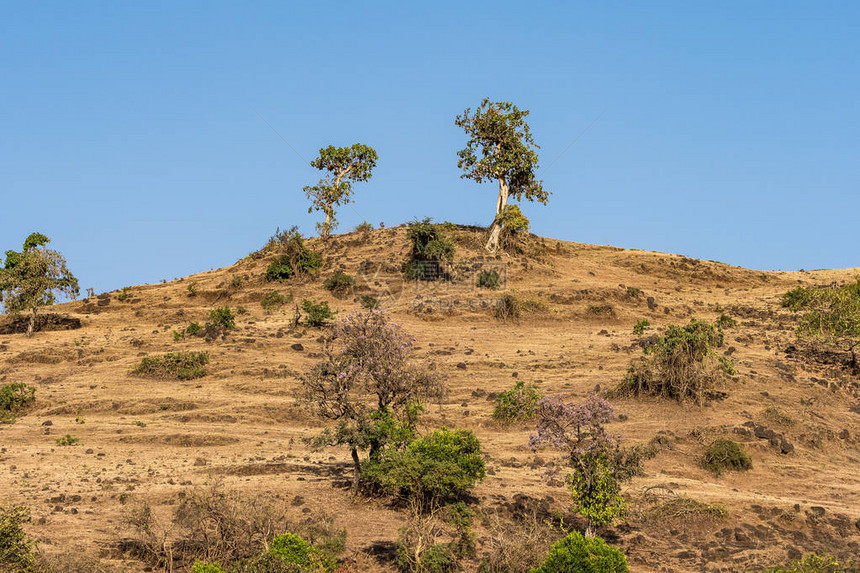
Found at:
(155, 441)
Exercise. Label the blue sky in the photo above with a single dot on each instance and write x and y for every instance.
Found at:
(130, 132)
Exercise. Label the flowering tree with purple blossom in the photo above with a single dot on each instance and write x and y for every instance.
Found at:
(370, 385)
(594, 456)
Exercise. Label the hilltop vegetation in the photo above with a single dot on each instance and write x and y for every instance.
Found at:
(242, 421)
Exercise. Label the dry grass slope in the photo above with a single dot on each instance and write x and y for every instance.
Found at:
(155, 440)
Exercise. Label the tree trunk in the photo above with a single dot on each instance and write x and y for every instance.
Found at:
(31, 326)
(356, 470)
(327, 225)
(496, 228)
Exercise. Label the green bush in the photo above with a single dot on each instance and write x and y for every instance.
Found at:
(726, 455)
(181, 365)
(289, 552)
(294, 258)
(443, 465)
(430, 249)
(726, 321)
(813, 563)
(517, 404)
(317, 313)
(596, 490)
(369, 302)
(193, 328)
(17, 549)
(681, 364)
(201, 567)
(578, 554)
(832, 314)
(640, 326)
(124, 294)
(435, 558)
(223, 317)
(512, 220)
(339, 282)
(488, 279)
(273, 300)
(13, 399)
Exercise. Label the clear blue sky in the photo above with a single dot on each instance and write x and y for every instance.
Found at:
(130, 133)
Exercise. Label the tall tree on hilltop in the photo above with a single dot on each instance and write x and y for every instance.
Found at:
(345, 166)
(500, 148)
(33, 277)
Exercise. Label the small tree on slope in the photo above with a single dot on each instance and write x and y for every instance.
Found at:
(369, 385)
(345, 166)
(33, 278)
(500, 148)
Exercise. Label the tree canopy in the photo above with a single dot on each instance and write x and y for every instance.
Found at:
(34, 277)
(344, 166)
(500, 148)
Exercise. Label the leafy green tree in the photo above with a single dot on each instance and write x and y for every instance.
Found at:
(500, 148)
(345, 166)
(33, 278)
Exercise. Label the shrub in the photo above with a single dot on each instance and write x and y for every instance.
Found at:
(318, 313)
(193, 328)
(488, 279)
(724, 454)
(681, 507)
(273, 300)
(596, 490)
(508, 308)
(597, 461)
(17, 549)
(124, 294)
(726, 321)
(363, 227)
(292, 550)
(294, 258)
(201, 567)
(640, 326)
(13, 399)
(441, 466)
(181, 365)
(430, 249)
(223, 317)
(415, 557)
(517, 404)
(369, 302)
(512, 220)
(67, 440)
(339, 282)
(680, 365)
(634, 292)
(577, 553)
(832, 314)
(192, 289)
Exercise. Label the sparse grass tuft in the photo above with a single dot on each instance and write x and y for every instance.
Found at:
(640, 326)
(67, 440)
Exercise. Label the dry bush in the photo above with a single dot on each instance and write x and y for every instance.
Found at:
(211, 525)
(515, 545)
(681, 365)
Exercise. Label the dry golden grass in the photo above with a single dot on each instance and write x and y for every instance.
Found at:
(151, 440)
